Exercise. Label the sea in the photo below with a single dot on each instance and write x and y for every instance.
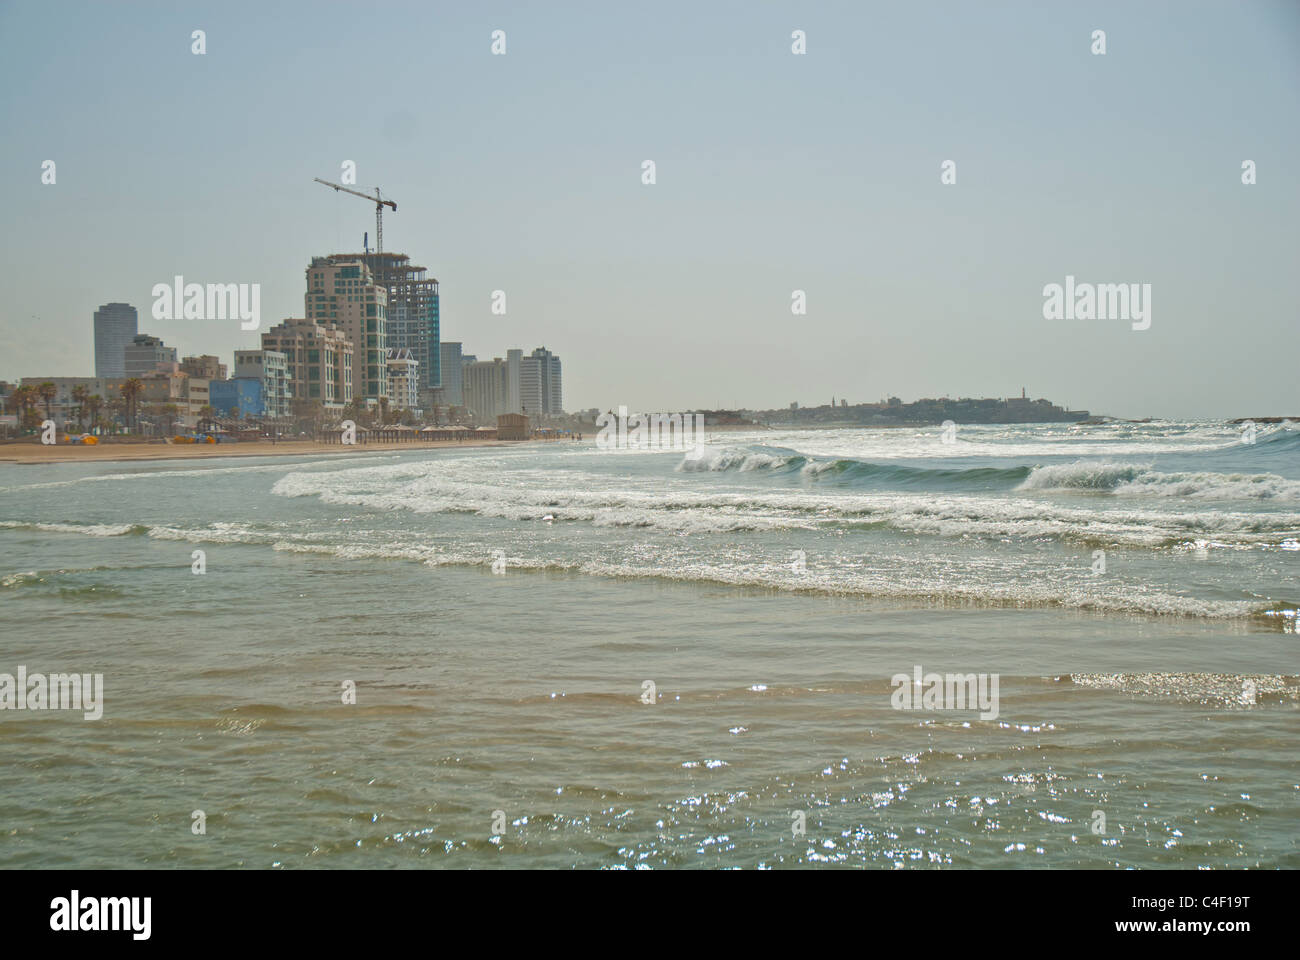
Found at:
(747, 654)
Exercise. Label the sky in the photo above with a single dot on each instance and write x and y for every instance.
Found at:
(774, 172)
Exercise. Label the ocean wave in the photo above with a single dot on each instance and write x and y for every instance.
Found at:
(939, 578)
(85, 529)
(688, 509)
(742, 459)
(1126, 479)
(1226, 689)
(249, 465)
(905, 582)
(849, 470)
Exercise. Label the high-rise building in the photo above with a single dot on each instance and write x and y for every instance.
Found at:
(540, 390)
(413, 322)
(514, 368)
(271, 369)
(319, 358)
(341, 290)
(453, 383)
(206, 366)
(115, 325)
(530, 387)
(487, 388)
(146, 355)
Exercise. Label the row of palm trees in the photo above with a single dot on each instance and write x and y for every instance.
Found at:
(387, 415)
(25, 401)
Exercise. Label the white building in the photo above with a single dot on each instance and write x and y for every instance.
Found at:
(540, 390)
(514, 372)
(487, 390)
(403, 380)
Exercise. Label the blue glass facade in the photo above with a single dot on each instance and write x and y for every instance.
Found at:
(242, 392)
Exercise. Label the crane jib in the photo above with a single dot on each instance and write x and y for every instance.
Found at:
(379, 203)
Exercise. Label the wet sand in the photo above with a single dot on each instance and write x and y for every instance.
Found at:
(32, 453)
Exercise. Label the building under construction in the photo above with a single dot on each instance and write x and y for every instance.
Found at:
(412, 314)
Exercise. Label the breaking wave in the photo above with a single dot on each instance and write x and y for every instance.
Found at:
(1135, 480)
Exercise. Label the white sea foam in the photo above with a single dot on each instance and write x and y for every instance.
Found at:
(427, 488)
(572, 509)
(85, 529)
(1006, 441)
(149, 472)
(1126, 479)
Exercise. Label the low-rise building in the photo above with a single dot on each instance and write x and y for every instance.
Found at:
(146, 354)
(403, 380)
(512, 426)
(188, 394)
(207, 366)
(242, 394)
(64, 406)
(272, 369)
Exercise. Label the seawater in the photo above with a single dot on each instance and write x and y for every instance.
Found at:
(768, 587)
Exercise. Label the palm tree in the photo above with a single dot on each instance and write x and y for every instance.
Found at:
(309, 411)
(117, 409)
(206, 413)
(94, 403)
(23, 399)
(170, 412)
(131, 391)
(79, 397)
(15, 401)
(47, 392)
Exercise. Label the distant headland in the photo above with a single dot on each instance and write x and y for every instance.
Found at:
(926, 412)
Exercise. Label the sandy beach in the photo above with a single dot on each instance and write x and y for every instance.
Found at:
(32, 453)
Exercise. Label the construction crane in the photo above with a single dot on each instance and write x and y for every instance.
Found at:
(379, 203)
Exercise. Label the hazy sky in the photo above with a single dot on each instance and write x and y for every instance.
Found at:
(775, 172)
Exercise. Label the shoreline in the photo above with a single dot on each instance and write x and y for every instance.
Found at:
(35, 453)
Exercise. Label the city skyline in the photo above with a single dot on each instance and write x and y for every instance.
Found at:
(776, 173)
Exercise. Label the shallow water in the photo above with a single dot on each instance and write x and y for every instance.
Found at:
(769, 587)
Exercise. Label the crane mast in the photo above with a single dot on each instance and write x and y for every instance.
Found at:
(379, 203)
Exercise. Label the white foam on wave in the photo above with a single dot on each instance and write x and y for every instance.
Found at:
(1081, 475)
(730, 458)
(1008, 579)
(900, 583)
(85, 529)
(918, 579)
(1127, 479)
(163, 473)
(1007, 441)
(687, 509)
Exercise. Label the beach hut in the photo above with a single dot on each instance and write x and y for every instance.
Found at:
(512, 426)
(334, 434)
